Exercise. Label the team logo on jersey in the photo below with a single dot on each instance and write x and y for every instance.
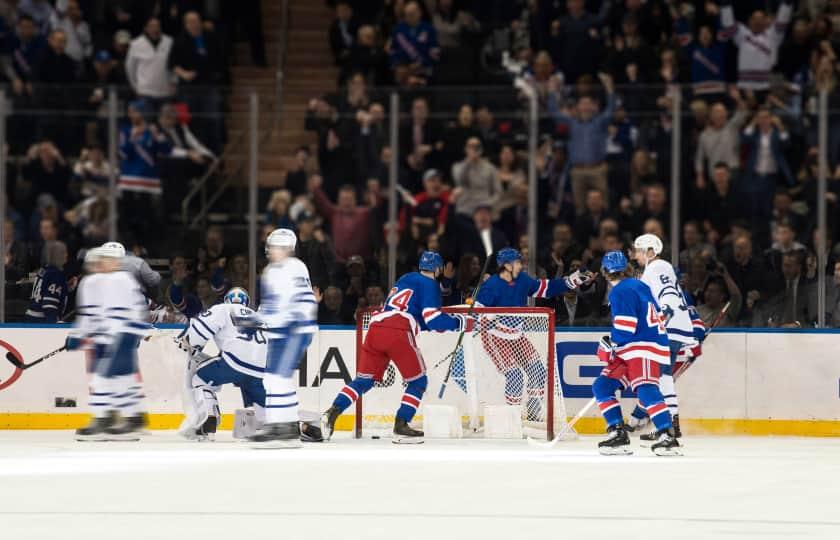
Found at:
(9, 373)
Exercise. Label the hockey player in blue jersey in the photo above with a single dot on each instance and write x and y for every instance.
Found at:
(502, 336)
(413, 305)
(634, 352)
(48, 299)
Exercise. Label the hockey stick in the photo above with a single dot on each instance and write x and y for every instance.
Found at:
(568, 427)
(451, 356)
(20, 365)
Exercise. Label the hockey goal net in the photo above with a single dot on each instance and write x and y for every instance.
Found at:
(506, 363)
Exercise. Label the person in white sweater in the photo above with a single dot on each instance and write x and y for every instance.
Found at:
(146, 64)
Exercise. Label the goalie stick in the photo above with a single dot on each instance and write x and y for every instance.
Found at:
(453, 355)
(568, 427)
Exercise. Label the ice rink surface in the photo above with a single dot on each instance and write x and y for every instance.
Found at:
(54, 488)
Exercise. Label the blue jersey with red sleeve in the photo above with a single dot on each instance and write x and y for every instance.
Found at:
(637, 330)
(417, 298)
(496, 292)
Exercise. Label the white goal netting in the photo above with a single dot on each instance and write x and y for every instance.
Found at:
(506, 363)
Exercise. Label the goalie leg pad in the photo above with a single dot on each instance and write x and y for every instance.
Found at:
(412, 397)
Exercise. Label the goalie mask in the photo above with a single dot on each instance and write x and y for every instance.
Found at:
(238, 295)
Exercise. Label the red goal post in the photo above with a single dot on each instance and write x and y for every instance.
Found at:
(507, 358)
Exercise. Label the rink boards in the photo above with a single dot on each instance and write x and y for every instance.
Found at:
(758, 382)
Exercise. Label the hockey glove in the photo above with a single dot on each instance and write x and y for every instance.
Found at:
(73, 343)
(606, 349)
(578, 278)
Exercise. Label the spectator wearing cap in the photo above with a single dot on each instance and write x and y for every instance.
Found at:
(68, 18)
(351, 224)
(414, 48)
(587, 143)
(355, 282)
(146, 64)
(315, 249)
(106, 73)
(476, 180)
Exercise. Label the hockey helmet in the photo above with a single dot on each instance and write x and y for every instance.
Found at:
(238, 295)
(507, 255)
(112, 249)
(281, 238)
(92, 256)
(648, 241)
(430, 261)
(614, 261)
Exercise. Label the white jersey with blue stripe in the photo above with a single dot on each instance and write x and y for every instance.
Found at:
(123, 307)
(287, 303)
(89, 324)
(660, 277)
(243, 349)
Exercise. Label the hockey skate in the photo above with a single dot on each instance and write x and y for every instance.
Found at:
(309, 432)
(654, 435)
(280, 435)
(666, 443)
(328, 422)
(617, 442)
(405, 434)
(96, 429)
(128, 430)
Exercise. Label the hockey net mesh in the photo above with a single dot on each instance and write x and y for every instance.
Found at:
(506, 358)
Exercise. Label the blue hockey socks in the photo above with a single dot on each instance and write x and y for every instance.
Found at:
(651, 399)
(351, 392)
(411, 398)
(604, 389)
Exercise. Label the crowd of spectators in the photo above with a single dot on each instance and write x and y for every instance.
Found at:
(606, 74)
(167, 60)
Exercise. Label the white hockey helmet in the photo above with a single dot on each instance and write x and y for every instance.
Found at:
(92, 256)
(112, 249)
(648, 241)
(281, 238)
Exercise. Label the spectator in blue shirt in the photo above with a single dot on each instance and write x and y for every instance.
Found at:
(587, 144)
(414, 49)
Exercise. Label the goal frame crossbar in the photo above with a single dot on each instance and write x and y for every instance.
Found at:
(551, 359)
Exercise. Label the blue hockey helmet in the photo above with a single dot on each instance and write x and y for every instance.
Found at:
(237, 295)
(430, 261)
(507, 255)
(614, 261)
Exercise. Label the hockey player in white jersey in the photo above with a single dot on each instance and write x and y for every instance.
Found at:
(288, 311)
(660, 276)
(113, 320)
(241, 362)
